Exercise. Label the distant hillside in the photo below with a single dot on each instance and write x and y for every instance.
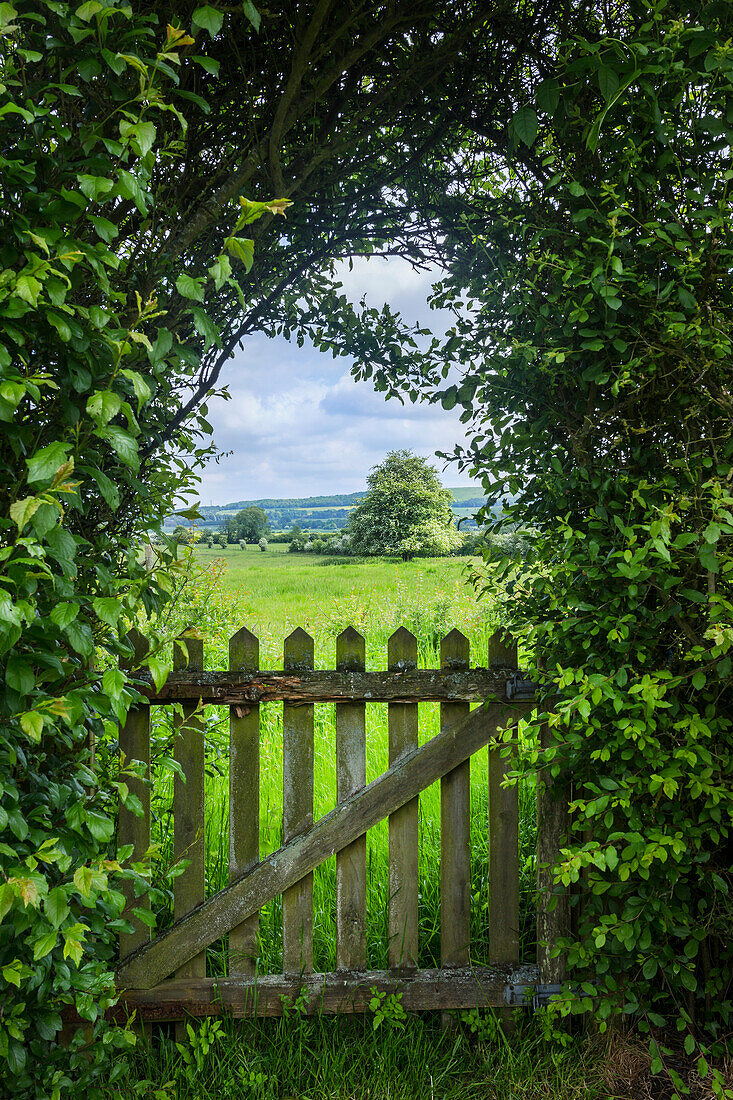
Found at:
(323, 513)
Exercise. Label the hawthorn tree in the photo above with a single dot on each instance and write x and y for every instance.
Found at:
(405, 511)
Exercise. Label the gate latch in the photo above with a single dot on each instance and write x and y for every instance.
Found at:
(521, 993)
(520, 687)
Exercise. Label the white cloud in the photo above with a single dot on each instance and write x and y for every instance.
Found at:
(298, 424)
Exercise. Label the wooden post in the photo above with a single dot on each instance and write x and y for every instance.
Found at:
(455, 825)
(552, 902)
(298, 810)
(244, 799)
(350, 777)
(503, 837)
(188, 809)
(135, 745)
(403, 823)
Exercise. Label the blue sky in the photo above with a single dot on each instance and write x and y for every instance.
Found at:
(299, 425)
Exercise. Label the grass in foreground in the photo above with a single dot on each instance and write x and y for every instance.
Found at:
(321, 1058)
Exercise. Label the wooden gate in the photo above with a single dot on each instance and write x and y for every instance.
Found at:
(165, 979)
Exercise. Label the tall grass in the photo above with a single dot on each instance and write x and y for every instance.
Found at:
(272, 594)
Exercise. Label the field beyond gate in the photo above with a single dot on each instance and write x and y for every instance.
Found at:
(166, 978)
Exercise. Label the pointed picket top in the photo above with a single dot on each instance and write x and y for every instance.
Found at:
(299, 649)
(244, 650)
(140, 645)
(350, 650)
(402, 649)
(188, 651)
(502, 650)
(454, 650)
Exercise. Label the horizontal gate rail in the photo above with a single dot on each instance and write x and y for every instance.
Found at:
(341, 992)
(153, 963)
(409, 685)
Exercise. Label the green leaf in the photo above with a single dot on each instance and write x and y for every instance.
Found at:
(608, 82)
(44, 945)
(22, 511)
(107, 487)
(142, 390)
(210, 64)
(94, 186)
(252, 14)
(242, 248)
(220, 271)
(547, 96)
(108, 609)
(140, 135)
(205, 326)
(103, 405)
(699, 679)
(113, 682)
(28, 289)
(89, 10)
(55, 906)
(209, 18)
(188, 287)
(31, 723)
(19, 675)
(44, 463)
(80, 638)
(145, 916)
(123, 443)
(524, 125)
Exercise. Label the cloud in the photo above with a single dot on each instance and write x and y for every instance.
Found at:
(298, 424)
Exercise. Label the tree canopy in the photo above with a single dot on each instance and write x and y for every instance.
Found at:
(405, 511)
(250, 524)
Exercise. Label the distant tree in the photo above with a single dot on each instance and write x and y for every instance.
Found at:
(406, 510)
(262, 544)
(251, 524)
(180, 534)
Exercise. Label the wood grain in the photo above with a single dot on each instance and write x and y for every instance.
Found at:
(298, 810)
(154, 962)
(344, 992)
(455, 827)
(400, 685)
(350, 777)
(244, 800)
(403, 823)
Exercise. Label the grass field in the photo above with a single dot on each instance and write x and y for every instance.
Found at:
(272, 593)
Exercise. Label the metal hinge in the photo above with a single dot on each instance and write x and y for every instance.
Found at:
(520, 687)
(522, 993)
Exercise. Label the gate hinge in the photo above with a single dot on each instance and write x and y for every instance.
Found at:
(520, 687)
(523, 993)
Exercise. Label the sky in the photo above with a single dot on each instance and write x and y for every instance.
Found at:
(298, 424)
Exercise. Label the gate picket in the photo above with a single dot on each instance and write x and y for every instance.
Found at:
(244, 798)
(455, 826)
(403, 823)
(298, 810)
(350, 777)
(188, 806)
(503, 836)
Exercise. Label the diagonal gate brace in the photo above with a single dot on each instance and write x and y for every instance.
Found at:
(154, 962)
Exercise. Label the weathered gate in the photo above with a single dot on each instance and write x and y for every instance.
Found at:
(165, 979)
